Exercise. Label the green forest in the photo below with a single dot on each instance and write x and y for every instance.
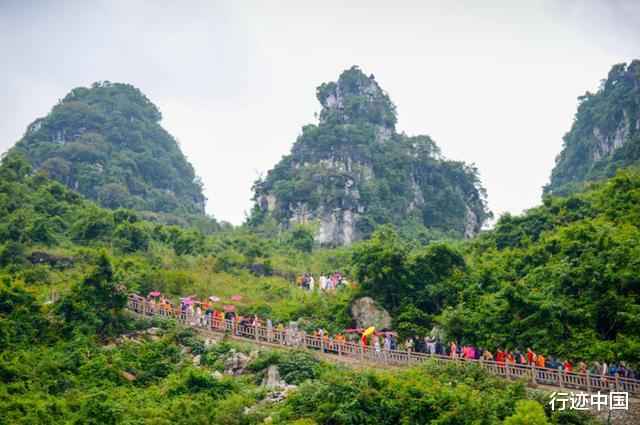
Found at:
(530, 281)
(97, 201)
(605, 134)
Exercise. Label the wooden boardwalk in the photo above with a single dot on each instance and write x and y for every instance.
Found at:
(367, 355)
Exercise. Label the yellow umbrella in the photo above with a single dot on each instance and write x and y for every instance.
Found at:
(369, 331)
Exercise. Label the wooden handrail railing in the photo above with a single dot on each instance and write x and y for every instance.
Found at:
(357, 351)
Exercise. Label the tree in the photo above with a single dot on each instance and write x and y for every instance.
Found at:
(302, 238)
(382, 268)
(14, 168)
(96, 303)
(528, 412)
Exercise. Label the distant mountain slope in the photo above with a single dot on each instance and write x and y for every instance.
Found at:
(106, 142)
(605, 134)
(353, 172)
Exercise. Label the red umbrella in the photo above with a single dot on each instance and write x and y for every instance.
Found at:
(187, 301)
(154, 294)
(229, 307)
(214, 298)
(354, 330)
(236, 297)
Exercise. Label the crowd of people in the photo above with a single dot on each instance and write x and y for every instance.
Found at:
(325, 282)
(502, 357)
(207, 314)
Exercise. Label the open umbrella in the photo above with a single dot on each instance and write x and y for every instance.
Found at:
(354, 330)
(229, 307)
(192, 296)
(154, 294)
(369, 331)
(214, 298)
(236, 297)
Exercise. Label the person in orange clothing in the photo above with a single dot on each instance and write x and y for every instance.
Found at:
(531, 356)
(510, 358)
(541, 361)
(500, 357)
(582, 367)
(216, 318)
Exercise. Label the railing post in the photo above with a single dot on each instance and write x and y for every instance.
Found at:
(533, 373)
(321, 344)
(255, 331)
(617, 382)
(409, 357)
(560, 383)
(361, 351)
(588, 381)
(384, 356)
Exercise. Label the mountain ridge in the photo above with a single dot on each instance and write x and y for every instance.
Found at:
(605, 134)
(106, 142)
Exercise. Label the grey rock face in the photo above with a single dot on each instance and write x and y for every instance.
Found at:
(272, 378)
(235, 363)
(366, 313)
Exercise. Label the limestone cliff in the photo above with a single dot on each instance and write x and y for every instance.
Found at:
(352, 172)
(605, 134)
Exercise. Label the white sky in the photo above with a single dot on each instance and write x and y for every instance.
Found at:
(493, 83)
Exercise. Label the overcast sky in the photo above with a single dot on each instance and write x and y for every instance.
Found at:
(493, 83)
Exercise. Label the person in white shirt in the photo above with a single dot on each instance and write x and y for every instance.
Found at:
(311, 283)
(323, 282)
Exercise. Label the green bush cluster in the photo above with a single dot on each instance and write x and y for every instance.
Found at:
(562, 278)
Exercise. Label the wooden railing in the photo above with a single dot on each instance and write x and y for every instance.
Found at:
(283, 337)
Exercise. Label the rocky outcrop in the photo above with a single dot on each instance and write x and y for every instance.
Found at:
(353, 172)
(235, 363)
(605, 134)
(272, 378)
(365, 313)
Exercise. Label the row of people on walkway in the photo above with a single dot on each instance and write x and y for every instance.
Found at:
(326, 282)
(206, 315)
(516, 357)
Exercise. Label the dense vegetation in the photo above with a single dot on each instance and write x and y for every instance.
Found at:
(354, 160)
(63, 373)
(106, 142)
(605, 134)
(49, 236)
(563, 278)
